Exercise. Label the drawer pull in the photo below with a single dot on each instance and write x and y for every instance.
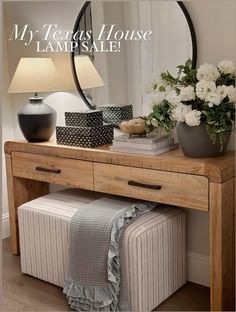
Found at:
(148, 186)
(56, 171)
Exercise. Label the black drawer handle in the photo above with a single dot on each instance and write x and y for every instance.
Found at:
(148, 186)
(56, 171)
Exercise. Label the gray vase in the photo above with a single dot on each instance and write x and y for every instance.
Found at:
(195, 142)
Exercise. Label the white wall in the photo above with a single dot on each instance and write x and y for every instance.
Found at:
(7, 132)
(36, 14)
(1, 100)
(215, 25)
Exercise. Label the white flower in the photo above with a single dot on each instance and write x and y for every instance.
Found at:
(173, 98)
(168, 88)
(208, 72)
(155, 99)
(222, 91)
(193, 118)
(231, 92)
(226, 67)
(179, 112)
(203, 88)
(187, 93)
(213, 98)
(210, 104)
(154, 122)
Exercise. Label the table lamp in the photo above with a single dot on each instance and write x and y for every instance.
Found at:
(87, 75)
(37, 120)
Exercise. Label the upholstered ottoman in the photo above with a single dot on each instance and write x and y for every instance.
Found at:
(153, 258)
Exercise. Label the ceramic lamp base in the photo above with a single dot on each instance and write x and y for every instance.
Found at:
(37, 120)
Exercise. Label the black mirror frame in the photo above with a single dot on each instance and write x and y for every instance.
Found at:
(77, 22)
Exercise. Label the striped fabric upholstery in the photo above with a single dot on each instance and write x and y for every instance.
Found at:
(153, 258)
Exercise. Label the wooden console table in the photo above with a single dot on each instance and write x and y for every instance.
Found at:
(170, 178)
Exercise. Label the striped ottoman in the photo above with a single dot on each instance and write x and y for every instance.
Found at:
(153, 258)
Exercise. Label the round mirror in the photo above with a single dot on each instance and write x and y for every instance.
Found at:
(148, 37)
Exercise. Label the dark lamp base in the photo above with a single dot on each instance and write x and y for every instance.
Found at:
(37, 120)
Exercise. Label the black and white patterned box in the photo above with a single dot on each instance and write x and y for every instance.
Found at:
(91, 118)
(117, 114)
(85, 136)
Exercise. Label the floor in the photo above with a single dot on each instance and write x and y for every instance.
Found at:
(24, 293)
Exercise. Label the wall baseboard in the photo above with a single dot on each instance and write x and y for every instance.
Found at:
(5, 225)
(198, 268)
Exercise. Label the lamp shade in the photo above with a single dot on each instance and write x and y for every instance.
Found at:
(36, 75)
(87, 74)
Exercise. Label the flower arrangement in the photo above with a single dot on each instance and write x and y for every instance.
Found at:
(206, 94)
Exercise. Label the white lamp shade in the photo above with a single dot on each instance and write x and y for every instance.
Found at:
(87, 74)
(36, 75)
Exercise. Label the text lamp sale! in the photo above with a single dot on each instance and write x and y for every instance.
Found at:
(53, 39)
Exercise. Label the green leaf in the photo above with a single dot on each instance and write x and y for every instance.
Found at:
(162, 89)
(189, 64)
(154, 86)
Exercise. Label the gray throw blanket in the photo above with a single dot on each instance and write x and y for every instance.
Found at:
(93, 274)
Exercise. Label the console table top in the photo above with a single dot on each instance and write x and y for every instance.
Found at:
(218, 169)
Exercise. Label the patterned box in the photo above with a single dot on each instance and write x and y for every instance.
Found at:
(117, 114)
(85, 136)
(91, 118)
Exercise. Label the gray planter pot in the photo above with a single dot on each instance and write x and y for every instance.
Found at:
(195, 142)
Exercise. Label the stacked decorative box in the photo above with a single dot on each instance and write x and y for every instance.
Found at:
(116, 114)
(85, 129)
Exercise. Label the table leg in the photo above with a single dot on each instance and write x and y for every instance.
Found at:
(222, 241)
(19, 192)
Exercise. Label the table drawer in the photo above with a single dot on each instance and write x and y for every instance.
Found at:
(56, 170)
(190, 191)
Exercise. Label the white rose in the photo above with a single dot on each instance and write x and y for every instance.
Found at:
(213, 98)
(179, 112)
(173, 98)
(193, 118)
(203, 88)
(208, 72)
(231, 92)
(187, 93)
(227, 67)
